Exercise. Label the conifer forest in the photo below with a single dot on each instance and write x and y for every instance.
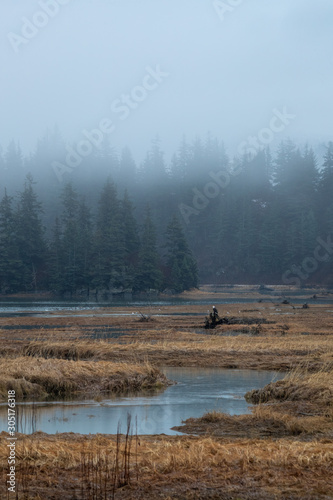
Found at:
(108, 224)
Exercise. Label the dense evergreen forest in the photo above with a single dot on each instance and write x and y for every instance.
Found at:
(73, 222)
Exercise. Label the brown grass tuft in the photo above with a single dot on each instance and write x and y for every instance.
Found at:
(35, 377)
(299, 385)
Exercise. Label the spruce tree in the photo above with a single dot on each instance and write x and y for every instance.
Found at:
(325, 192)
(108, 158)
(13, 159)
(30, 236)
(127, 168)
(10, 262)
(55, 261)
(153, 168)
(180, 162)
(109, 247)
(182, 267)
(131, 240)
(69, 245)
(149, 275)
(84, 246)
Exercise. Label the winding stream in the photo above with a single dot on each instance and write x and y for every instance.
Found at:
(198, 390)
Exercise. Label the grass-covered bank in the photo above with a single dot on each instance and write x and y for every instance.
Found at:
(44, 378)
(70, 466)
(289, 336)
(299, 405)
(282, 450)
(173, 349)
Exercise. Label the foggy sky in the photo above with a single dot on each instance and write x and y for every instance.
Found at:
(226, 74)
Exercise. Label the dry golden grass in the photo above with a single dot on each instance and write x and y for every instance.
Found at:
(310, 344)
(56, 377)
(292, 337)
(282, 450)
(73, 350)
(242, 351)
(168, 467)
(299, 385)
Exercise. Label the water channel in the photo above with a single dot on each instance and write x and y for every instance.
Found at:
(198, 390)
(24, 307)
(10, 307)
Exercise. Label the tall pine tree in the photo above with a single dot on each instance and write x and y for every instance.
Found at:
(149, 275)
(70, 239)
(10, 262)
(109, 246)
(182, 268)
(30, 235)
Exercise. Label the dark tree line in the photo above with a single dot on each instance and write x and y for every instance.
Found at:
(101, 252)
(253, 219)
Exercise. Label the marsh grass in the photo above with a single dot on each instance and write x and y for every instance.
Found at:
(85, 349)
(264, 353)
(100, 467)
(103, 472)
(283, 449)
(40, 377)
(299, 385)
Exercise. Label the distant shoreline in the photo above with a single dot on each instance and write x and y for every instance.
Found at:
(202, 290)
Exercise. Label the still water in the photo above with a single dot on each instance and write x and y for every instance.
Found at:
(10, 307)
(198, 390)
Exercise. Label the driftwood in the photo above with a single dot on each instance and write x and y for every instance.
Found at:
(144, 318)
(212, 321)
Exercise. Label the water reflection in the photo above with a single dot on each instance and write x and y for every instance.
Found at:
(198, 390)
